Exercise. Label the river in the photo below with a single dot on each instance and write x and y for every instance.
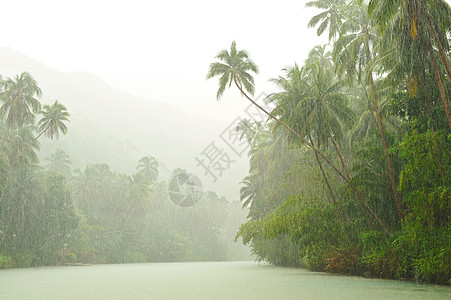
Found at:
(201, 280)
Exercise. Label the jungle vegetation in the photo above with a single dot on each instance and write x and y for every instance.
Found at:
(51, 214)
(351, 173)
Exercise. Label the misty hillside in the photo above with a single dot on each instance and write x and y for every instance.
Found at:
(115, 127)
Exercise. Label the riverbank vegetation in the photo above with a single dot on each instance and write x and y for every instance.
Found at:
(52, 215)
(352, 171)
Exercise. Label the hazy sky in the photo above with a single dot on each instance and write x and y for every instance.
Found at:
(161, 49)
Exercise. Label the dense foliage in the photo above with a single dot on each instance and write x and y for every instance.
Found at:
(351, 172)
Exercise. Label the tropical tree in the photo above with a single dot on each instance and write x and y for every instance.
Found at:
(321, 56)
(138, 191)
(247, 192)
(148, 168)
(19, 100)
(52, 122)
(59, 162)
(318, 110)
(330, 18)
(410, 29)
(234, 67)
(352, 53)
(22, 148)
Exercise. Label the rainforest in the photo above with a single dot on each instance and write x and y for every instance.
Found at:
(350, 173)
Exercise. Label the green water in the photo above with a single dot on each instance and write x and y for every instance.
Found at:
(212, 280)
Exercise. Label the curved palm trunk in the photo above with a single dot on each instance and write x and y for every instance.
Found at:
(381, 129)
(303, 140)
(426, 94)
(340, 214)
(339, 156)
(42, 132)
(5, 139)
(440, 85)
(387, 157)
(439, 46)
(362, 207)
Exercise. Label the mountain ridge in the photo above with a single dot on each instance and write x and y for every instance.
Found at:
(152, 127)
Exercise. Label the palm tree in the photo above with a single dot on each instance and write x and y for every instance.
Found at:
(148, 168)
(411, 27)
(352, 52)
(59, 162)
(247, 192)
(319, 111)
(255, 133)
(23, 148)
(52, 122)
(19, 103)
(234, 67)
(138, 194)
(330, 19)
(320, 55)
(430, 19)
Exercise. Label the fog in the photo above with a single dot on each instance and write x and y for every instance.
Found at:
(296, 136)
(144, 63)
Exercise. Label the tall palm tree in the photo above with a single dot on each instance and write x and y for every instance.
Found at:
(234, 67)
(138, 195)
(352, 53)
(320, 55)
(52, 122)
(19, 102)
(23, 148)
(330, 18)
(411, 28)
(148, 168)
(319, 111)
(247, 192)
(255, 133)
(59, 162)
(416, 18)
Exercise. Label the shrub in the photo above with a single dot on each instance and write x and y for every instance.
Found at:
(6, 262)
(70, 258)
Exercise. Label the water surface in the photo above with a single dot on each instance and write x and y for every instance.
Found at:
(206, 280)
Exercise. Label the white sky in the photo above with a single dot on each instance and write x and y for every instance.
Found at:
(161, 49)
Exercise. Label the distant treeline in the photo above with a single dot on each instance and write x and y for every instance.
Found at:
(51, 215)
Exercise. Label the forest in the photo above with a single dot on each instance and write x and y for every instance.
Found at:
(351, 173)
(53, 215)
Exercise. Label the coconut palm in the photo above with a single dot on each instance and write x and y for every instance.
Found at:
(23, 148)
(148, 168)
(319, 111)
(138, 194)
(411, 28)
(234, 67)
(255, 133)
(320, 55)
(52, 122)
(352, 53)
(414, 18)
(19, 102)
(59, 162)
(330, 18)
(247, 192)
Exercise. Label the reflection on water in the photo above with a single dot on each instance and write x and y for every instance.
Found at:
(216, 280)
